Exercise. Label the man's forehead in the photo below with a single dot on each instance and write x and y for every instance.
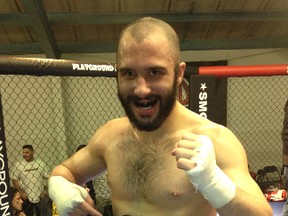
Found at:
(27, 149)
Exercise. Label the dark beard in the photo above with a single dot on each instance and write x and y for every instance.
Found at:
(166, 106)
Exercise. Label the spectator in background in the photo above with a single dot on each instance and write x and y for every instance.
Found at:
(16, 203)
(29, 177)
(285, 154)
(89, 184)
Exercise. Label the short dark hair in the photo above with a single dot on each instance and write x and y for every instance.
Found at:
(28, 146)
(141, 28)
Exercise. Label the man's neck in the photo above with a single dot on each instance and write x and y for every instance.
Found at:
(167, 127)
(31, 160)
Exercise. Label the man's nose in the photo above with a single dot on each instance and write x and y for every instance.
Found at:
(142, 87)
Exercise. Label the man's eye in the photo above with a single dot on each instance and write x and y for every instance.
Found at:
(155, 72)
(128, 74)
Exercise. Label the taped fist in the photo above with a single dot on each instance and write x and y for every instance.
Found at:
(69, 198)
(195, 154)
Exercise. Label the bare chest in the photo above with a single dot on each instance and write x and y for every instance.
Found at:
(147, 171)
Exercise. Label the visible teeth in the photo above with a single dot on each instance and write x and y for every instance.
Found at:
(148, 107)
(145, 105)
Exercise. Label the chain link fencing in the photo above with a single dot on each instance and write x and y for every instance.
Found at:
(56, 114)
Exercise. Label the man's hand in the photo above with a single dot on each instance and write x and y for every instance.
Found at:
(185, 150)
(195, 154)
(69, 198)
(85, 208)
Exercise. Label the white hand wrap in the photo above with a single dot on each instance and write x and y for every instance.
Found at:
(65, 194)
(208, 178)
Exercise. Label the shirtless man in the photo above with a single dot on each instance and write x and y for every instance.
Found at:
(160, 159)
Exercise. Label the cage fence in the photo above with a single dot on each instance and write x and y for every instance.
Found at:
(56, 114)
(255, 114)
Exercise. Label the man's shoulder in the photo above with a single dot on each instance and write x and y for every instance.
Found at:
(39, 161)
(116, 121)
(16, 165)
(111, 131)
(115, 125)
(212, 129)
(19, 166)
(20, 162)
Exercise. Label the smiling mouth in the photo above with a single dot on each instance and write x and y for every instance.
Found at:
(145, 105)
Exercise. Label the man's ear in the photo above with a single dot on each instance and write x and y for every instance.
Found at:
(181, 70)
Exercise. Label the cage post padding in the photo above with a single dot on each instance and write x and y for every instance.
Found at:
(58, 67)
(54, 67)
(5, 196)
(254, 70)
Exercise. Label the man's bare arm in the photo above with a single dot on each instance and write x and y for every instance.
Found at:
(197, 157)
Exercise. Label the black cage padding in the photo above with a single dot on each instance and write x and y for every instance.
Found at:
(54, 67)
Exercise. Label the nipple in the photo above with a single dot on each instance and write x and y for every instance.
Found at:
(175, 194)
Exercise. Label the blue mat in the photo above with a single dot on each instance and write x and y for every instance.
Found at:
(277, 208)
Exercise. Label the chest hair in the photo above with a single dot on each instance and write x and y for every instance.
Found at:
(144, 161)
